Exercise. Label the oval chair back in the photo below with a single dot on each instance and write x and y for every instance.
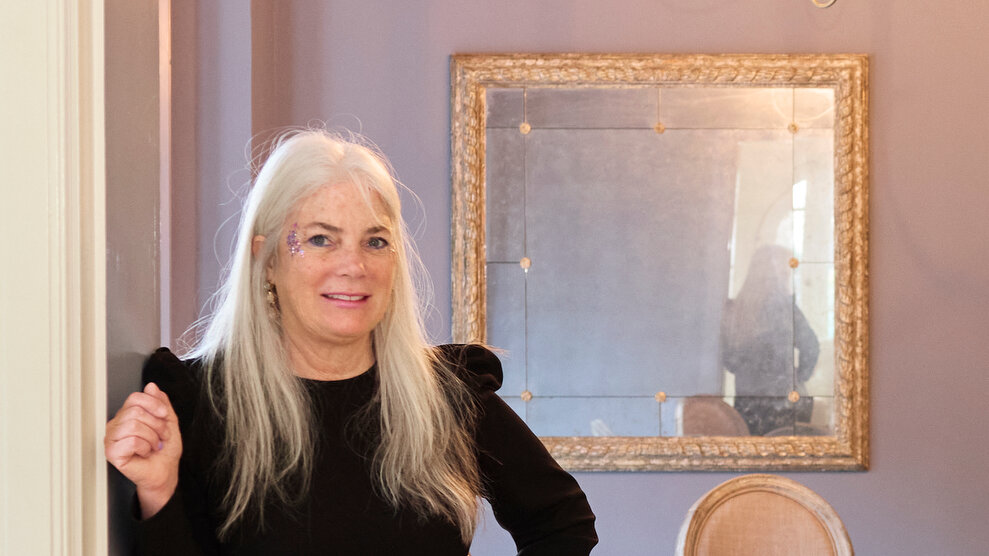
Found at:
(764, 515)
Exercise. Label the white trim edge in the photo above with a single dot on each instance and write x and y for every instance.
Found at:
(53, 334)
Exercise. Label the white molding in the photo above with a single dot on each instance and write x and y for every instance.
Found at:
(93, 357)
(52, 336)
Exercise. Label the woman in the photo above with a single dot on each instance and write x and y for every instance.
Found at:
(759, 331)
(312, 417)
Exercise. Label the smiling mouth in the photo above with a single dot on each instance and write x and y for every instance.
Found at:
(343, 297)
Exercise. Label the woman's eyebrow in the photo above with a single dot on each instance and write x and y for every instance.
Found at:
(325, 226)
(337, 230)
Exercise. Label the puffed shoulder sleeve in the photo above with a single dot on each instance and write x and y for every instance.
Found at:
(474, 364)
(533, 498)
(182, 526)
(176, 379)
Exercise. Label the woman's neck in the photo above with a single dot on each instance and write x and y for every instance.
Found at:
(330, 362)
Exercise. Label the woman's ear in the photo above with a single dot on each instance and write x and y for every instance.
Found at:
(256, 245)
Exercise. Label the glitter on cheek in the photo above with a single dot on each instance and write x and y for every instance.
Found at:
(294, 247)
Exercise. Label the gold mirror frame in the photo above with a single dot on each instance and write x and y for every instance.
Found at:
(847, 74)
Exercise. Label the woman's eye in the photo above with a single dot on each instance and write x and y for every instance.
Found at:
(377, 243)
(319, 241)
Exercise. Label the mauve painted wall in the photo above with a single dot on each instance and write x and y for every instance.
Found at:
(132, 220)
(383, 66)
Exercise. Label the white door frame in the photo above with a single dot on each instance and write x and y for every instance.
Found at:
(52, 278)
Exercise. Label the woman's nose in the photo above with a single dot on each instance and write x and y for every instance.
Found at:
(351, 261)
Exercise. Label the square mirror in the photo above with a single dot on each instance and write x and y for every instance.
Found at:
(671, 251)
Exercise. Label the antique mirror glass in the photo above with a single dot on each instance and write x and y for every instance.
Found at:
(671, 251)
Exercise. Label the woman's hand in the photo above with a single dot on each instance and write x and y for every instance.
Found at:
(144, 443)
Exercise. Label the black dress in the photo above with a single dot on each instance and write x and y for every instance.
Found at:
(539, 503)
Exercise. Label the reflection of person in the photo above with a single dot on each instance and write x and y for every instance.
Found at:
(312, 418)
(756, 345)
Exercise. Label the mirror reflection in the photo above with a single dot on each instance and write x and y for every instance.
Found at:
(659, 260)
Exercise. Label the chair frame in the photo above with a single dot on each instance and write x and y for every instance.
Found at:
(703, 509)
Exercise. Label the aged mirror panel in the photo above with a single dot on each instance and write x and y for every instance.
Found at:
(672, 252)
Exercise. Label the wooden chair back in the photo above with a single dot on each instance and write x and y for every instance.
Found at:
(764, 515)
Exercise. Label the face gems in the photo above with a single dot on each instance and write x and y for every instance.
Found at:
(294, 247)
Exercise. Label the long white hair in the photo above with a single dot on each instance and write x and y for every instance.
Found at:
(425, 457)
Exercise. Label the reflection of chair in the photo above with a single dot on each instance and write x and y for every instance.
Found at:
(709, 416)
(801, 429)
(762, 515)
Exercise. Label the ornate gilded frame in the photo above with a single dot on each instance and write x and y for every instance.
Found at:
(847, 74)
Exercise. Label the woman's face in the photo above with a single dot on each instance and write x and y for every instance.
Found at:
(335, 267)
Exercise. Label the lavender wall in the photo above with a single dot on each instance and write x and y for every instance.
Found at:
(132, 129)
(381, 67)
(184, 252)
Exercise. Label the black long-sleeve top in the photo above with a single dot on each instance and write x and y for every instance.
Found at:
(538, 502)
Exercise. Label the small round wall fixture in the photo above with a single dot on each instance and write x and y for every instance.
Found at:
(823, 3)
